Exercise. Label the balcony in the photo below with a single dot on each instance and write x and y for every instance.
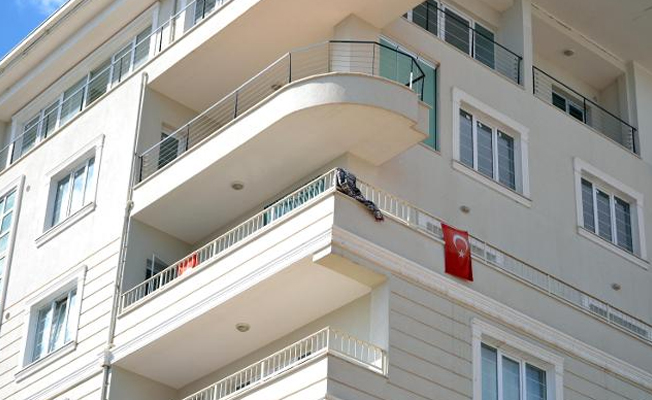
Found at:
(469, 37)
(584, 110)
(365, 95)
(325, 343)
(291, 266)
(581, 79)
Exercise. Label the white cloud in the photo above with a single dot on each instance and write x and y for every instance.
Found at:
(43, 6)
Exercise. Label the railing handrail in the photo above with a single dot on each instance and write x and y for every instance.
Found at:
(326, 347)
(268, 68)
(584, 98)
(429, 3)
(148, 282)
(215, 105)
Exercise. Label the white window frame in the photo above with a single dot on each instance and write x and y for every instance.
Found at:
(516, 349)
(496, 119)
(570, 101)
(612, 187)
(17, 185)
(92, 150)
(74, 280)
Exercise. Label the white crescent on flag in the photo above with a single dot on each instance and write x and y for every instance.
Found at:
(461, 251)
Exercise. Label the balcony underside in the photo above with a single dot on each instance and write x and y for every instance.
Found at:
(193, 71)
(298, 129)
(273, 308)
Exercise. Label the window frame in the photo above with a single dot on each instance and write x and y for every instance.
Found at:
(70, 175)
(502, 123)
(614, 189)
(516, 349)
(93, 149)
(73, 281)
(495, 159)
(15, 186)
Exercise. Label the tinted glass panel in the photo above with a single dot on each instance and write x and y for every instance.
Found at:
(604, 215)
(489, 374)
(535, 383)
(466, 138)
(511, 380)
(623, 224)
(456, 31)
(485, 150)
(587, 205)
(484, 46)
(506, 169)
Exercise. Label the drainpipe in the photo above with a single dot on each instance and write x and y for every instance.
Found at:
(126, 226)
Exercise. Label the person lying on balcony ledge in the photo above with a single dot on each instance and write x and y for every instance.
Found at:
(346, 183)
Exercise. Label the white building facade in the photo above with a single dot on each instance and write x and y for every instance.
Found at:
(171, 226)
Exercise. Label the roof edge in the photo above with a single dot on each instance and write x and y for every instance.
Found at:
(41, 31)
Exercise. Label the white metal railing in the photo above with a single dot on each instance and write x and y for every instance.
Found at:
(326, 341)
(121, 65)
(227, 241)
(424, 222)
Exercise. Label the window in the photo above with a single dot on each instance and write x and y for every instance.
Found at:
(7, 220)
(507, 378)
(154, 266)
(53, 325)
(610, 213)
(607, 215)
(487, 149)
(73, 191)
(392, 67)
(169, 149)
(51, 322)
(490, 147)
(83, 93)
(568, 105)
(507, 367)
(203, 8)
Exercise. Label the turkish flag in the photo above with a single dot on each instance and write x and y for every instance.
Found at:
(457, 252)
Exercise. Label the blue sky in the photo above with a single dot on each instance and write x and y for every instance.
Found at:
(19, 17)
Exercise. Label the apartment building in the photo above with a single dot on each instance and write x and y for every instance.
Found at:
(173, 226)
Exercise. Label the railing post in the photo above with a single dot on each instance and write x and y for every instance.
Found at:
(140, 169)
(584, 105)
(518, 70)
(290, 68)
(235, 107)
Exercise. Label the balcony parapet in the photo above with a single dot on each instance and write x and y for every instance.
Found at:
(410, 216)
(584, 110)
(362, 57)
(327, 341)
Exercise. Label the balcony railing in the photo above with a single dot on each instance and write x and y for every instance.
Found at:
(430, 225)
(326, 341)
(122, 65)
(335, 56)
(230, 240)
(470, 37)
(584, 110)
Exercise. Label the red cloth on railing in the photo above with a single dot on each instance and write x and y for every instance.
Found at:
(190, 262)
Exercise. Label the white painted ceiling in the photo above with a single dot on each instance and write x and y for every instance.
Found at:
(623, 27)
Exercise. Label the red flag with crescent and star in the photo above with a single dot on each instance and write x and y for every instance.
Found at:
(457, 252)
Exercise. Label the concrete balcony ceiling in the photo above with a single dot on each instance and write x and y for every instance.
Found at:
(225, 45)
(274, 143)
